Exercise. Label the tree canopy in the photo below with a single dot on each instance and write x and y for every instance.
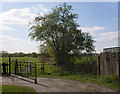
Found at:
(60, 34)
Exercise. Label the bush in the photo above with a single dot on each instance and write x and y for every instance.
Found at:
(114, 78)
(107, 79)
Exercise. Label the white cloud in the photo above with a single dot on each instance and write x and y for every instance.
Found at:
(6, 28)
(17, 45)
(16, 16)
(39, 9)
(114, 19)
(108, 36)
(21, 16)
(103, 39)
(92, 30)
(106, 40)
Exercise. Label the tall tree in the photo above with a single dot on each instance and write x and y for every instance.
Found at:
(60, 33)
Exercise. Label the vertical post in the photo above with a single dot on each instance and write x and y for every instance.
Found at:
(20, 69)
(9, 65)
(118, 66)
(43, 67)
(27, 69)
(98, 64)
(24, 68)
(35, 74)
(119, 71)
(16, 67)
(30, 69)
(7, 68)
(4, 68)
(0, 69)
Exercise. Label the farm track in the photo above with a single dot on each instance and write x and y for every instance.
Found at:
(56, 85)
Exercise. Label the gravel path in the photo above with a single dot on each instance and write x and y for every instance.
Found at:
(56, 85)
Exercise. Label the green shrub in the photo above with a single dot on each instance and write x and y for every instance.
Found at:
(107, 79)
(114, 78)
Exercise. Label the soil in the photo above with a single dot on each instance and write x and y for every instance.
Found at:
(55, 85)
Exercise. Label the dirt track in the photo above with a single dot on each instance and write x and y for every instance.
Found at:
(56, 85)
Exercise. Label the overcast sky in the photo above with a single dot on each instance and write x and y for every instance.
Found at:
(98, 18)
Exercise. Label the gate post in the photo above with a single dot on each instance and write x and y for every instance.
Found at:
(118, 70)
(43, 67)
(27, 69)
(118, 66)
(30, 69)
(20, 68)
(0, 69)
(98, 65)
(16, 67)
(35, 74)
(4, 68)
(9, 65)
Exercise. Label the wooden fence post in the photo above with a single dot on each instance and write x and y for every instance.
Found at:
(9, 65)
(98, 65)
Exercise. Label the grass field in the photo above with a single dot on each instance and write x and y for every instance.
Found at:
(56, 72)
(48, 67)
(17, 89)
(6, 59)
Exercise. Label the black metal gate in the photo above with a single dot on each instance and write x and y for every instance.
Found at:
(23, 68)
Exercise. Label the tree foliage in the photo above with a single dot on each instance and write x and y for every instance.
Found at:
(60, 34)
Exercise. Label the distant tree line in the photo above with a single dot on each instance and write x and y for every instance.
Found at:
(20, 54)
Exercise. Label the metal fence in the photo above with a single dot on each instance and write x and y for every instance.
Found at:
(23, 68)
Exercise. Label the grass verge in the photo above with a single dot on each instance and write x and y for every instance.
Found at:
(110, 82)
(17, 89)
(56, 72)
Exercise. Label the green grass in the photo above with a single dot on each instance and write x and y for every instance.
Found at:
(18, 89)
(108, 81)
(111, 82)
(86, 59)
(56, 72)
(6, 59)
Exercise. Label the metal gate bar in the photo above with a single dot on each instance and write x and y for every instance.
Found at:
(23, 68)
